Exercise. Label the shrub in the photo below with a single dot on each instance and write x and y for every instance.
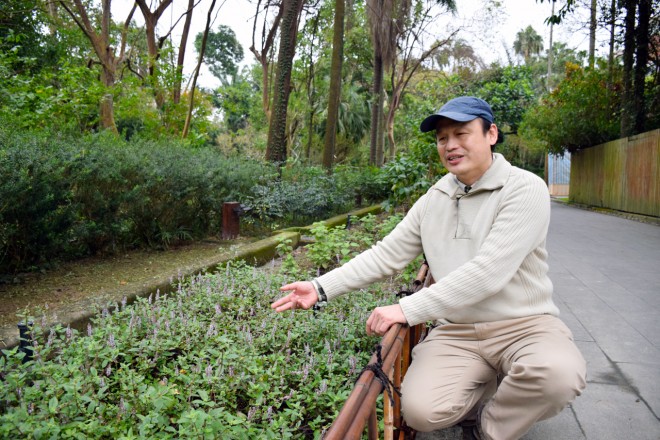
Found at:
(64, 198)
(302, 195)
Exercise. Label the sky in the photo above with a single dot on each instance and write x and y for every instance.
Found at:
(487, 34)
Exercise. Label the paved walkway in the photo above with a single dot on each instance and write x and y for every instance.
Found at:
(606, 272)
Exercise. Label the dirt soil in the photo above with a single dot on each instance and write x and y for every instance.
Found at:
(73, 289)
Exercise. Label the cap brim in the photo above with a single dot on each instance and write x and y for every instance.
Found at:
(430, 123)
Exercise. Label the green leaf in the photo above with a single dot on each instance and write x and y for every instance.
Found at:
(52, 405)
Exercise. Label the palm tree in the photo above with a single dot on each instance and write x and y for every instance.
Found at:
(528, 42)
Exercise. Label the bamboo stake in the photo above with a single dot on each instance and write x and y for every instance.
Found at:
(388, 408)
(361, 389)
(360, 407)
(372, 426)
(357, 425)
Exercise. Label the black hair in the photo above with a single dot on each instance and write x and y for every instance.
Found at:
(486, 126)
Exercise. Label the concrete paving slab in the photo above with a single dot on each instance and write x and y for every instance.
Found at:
(611, 412)
(600, 369)
(563, 426)
(644, 379)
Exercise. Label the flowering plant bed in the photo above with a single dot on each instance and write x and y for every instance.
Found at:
(210, 360)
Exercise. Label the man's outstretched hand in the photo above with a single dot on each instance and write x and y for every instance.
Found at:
(303, 296)
(382, 318)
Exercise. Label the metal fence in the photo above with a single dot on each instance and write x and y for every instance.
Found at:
(559, 174)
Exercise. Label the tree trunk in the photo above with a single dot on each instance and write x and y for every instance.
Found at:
(548, 84)
(627, 103)
(276, 149)
(150, 23)
(610, 60)
(264, 56)
(335, 86)
(101, 45)
(394, 106)
(191, 101)
(106, 107)
(592, 33)
(176, 95)
(311, 91)
(642, 57)
(376, 109)
(380, 140)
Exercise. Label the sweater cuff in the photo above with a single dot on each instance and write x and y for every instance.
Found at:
(415, 311)
(331, 285)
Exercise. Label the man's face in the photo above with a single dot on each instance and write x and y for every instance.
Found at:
(464, 148)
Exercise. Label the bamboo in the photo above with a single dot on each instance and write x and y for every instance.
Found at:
(360, 407)
(357, 397)
(398, 376)
(357, 425)
(388, 407)
(373, 425)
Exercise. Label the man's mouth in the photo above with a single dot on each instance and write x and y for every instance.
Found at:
(454, 158)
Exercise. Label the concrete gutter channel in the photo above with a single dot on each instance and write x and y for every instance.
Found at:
(258, 253)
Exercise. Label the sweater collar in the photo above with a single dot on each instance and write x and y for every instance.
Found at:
(494, 178)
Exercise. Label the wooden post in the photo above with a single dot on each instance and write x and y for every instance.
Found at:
(230, 220)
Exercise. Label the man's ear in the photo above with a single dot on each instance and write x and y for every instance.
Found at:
(492, 134)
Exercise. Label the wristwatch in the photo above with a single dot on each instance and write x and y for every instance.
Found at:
(322, 297)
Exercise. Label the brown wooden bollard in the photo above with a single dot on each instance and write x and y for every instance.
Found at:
(230, 220)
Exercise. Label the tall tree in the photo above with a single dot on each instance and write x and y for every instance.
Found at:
(223, 53)
(150, 22)
(191, 101)
(263, 55)
(550, 53)
(627, 104)
(641, 61)
(276, 148)
(411, 25)
(379, 14)
(101, 43)
(458, 55)
(527, 43)
(592, 32)
(335, 85)
(176, 93)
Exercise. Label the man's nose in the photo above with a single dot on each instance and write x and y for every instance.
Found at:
(452, 143)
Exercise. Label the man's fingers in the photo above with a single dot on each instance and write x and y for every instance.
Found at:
(279, 302)
(287, 287)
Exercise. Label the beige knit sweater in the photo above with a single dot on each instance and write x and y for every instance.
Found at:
(485, 249)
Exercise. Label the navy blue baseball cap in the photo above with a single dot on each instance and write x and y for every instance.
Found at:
(462, 109)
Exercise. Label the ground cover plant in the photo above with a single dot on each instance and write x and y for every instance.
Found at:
(209, 360)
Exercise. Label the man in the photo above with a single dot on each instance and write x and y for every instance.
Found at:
(482, 228)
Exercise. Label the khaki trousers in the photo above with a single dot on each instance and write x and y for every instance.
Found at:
(456, 367)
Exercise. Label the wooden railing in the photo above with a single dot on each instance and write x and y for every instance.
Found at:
(384, 373)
